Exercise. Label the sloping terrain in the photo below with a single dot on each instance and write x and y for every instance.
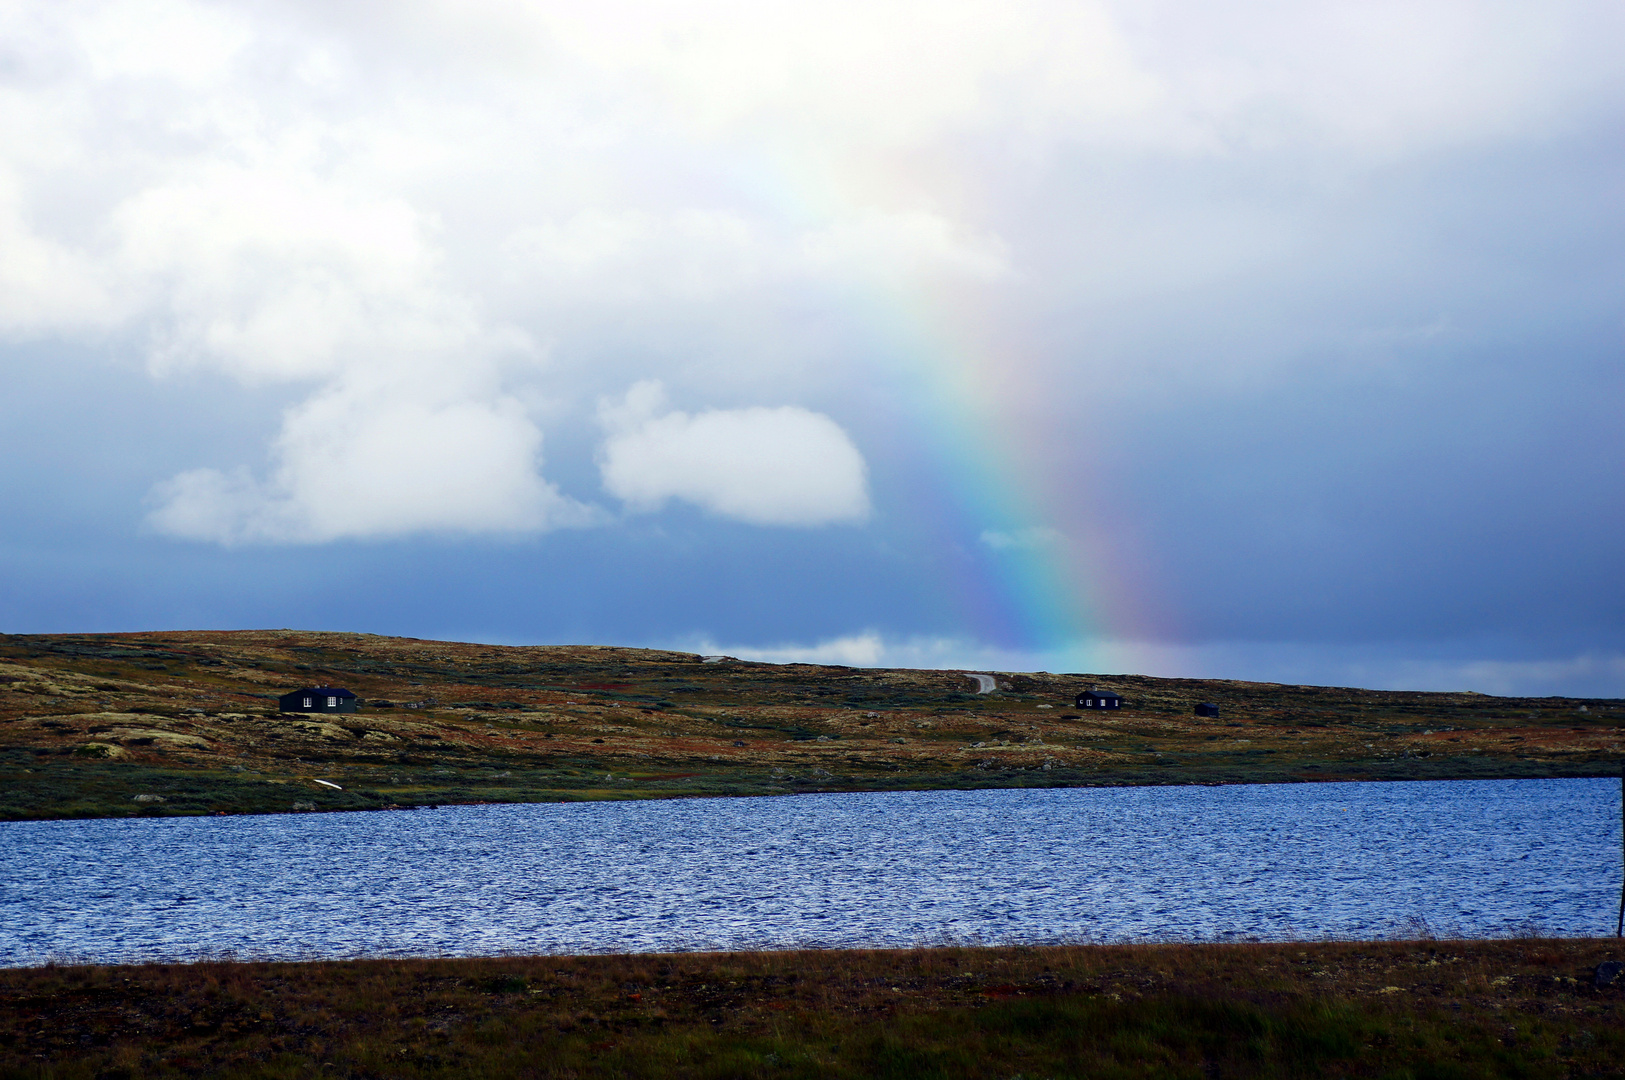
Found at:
(187, 722)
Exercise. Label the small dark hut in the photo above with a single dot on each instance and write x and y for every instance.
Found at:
(1099, 699)
(319, 699)
(1207, 708)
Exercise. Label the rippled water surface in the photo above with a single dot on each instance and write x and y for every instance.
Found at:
(1173, 863)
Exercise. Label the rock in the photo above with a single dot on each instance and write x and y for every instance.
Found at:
(140, 736)
(304, 806)
(147, 798)
(1608, 972)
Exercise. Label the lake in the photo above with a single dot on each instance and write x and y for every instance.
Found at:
(1291, 861)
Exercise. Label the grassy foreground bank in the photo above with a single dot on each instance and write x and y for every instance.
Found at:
(1529, 1008)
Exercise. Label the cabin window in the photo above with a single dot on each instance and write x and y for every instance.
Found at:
(308, 703)
(332, 703)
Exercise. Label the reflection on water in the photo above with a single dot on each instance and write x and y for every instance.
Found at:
(1163, 864)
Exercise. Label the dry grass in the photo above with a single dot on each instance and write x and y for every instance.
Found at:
(1414, 1009)
(90, 721)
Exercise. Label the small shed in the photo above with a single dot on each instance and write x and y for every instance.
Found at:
(319, 699)
(1099, 699)
(1207, 708)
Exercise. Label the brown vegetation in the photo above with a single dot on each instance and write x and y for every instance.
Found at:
(1412, 1009)
(188, 722)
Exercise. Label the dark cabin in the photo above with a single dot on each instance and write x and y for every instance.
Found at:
(319, 699)
(1099, 699)
(1207, 708)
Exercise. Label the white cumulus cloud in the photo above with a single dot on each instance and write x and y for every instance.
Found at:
(763, 466)
(366, 464)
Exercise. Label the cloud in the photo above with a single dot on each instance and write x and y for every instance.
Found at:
(444, 230)
(354, 464)
(1378, 666)
(907, 246)
(873, 648)
(1592, 674)
(1038, 537)
(855, 650)
(272, 192)
(273, 275)
(762, 466)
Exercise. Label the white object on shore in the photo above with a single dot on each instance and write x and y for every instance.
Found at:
(325, 783)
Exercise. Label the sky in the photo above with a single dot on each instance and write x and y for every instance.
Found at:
(1265, 340)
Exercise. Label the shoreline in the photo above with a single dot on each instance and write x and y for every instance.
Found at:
(66, 962)
(181, 783)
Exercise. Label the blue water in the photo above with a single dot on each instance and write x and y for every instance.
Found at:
(1303, 861)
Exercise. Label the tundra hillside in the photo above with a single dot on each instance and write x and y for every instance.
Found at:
(96, 725)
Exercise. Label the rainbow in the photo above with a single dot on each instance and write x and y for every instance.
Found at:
(1032, 571)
